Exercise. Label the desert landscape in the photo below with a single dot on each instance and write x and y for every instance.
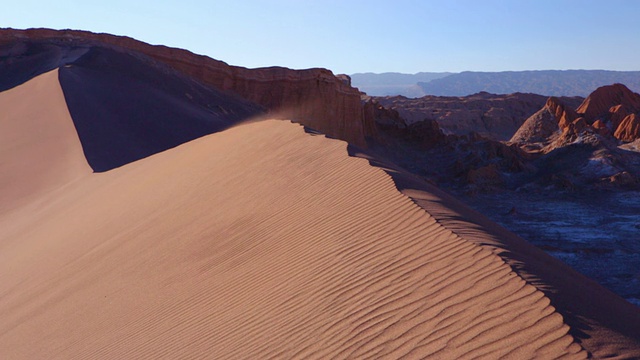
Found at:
(528, 161)
(157, 203)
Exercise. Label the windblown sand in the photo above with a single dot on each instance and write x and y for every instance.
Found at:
(261, 241)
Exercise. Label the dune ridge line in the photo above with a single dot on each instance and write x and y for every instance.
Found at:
(201, 251)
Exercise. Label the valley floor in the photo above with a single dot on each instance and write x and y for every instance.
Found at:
(597, 234)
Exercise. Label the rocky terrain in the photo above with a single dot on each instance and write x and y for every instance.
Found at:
(568, 157)
(610, 112)
(595, 133)
(590, 141)
(493, 116)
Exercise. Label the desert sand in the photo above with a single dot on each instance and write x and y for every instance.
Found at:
(260, 241)
(39, 147)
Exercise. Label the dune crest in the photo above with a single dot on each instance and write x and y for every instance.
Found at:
(201, 251)
(39, 146)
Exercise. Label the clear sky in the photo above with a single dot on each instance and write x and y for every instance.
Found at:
(366, 36)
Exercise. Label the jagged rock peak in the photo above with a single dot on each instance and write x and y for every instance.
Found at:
(617, 107)
(562, 113)
(599, 102)
(554, 116)
(611, 110)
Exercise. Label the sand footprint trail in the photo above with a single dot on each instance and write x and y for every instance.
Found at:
(261, 241)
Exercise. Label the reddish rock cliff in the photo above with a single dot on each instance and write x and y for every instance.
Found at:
(313, 97)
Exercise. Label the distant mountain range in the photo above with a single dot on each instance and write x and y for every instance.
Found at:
(393, 83)
(543, 82)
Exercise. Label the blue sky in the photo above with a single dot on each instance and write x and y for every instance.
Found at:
(366, 36)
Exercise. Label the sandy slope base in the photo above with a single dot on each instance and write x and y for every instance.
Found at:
(261, 241)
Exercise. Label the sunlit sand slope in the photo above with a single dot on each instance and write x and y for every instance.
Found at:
(39, 146)
(603, 323)
(261, 241)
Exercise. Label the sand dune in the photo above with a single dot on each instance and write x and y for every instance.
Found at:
(126, 106)
(261, 241)
(200, 251)
(39, 147)
(606, 325)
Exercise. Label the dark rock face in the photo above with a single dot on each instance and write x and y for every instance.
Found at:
(426, 133)
(313, 97)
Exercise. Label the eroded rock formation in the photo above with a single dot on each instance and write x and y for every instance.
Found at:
(617, 108)
(629, 128)
(600, 102)
(494, 116)
(609, 111)
(539, 127)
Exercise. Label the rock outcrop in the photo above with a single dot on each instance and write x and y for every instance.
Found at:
(538, 128)
(493, 116)
(564, 114)
(603, 99)
(629, 128)
(616, 108)
(426, 133)
(313, 97)
(609, 111)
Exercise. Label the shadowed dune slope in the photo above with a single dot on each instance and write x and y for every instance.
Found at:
(126, 107)
(260, 241)
(21, 61)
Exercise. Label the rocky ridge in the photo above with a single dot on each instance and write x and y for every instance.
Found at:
(493, 116)
(610, 111)
(314, 97)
